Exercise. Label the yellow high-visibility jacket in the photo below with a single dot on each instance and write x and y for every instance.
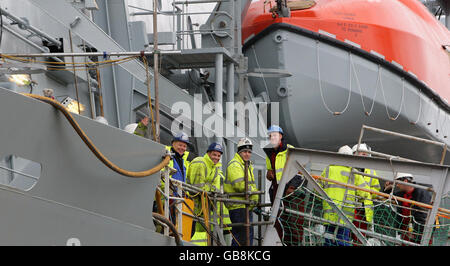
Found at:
(345, 198)
(226, 213)
(200, 238)
(280, 162)
(204, 174)
(235, 181)
(374, 183)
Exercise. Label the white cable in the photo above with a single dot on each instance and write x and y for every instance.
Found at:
(361, 92)
(420, 110)
(320, 84)
(385, 102)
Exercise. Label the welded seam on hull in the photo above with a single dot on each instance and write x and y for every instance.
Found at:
(408, 76)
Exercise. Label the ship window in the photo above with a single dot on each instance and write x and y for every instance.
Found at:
(19, 173)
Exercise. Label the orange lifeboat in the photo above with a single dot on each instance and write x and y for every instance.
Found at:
(383, 63)
(403, 32)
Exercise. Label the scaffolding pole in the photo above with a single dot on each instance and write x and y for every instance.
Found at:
(247, 214)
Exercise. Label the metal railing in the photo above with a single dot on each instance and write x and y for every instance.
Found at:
(436, 176)
(215, 197)
(182, 26)
(396, 134)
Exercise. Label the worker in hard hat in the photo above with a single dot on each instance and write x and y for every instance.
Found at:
(235, 183)
(412, 218)
(364, 150)
(179, 161)
(345, 199)
(204, 173)
(276, 158)
(374, 184)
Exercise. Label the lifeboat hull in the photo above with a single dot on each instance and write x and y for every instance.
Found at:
(333, 90)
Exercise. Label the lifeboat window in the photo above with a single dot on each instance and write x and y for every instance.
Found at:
(19, 173)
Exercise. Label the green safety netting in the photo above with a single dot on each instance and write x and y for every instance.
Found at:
(302, 222)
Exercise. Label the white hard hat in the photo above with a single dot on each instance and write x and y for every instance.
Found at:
(130, 128)
(362, 147)
(407, 175)
(345, 150)
(244, 144)
(101, 119)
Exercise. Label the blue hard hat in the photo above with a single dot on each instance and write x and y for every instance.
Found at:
(275, 128)
(215, 147)
(183, 137)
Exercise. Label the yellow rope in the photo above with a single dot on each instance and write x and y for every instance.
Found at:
(21, 59)
(147, 72)
(93, 148)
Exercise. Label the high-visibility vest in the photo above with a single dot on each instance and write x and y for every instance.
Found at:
(226, 214)
(235, 181)
(204, 174)
(200, 238)
(141, 130)
(280, 162)
(374, 183)
(345, 198)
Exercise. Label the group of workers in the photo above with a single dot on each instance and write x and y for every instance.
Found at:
(357, 205)
(205, 173)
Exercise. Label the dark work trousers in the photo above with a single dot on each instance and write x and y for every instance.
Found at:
(239, 233)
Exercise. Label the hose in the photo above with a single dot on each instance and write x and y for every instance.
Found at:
(93, 148)
(172, 228)
(207, 229)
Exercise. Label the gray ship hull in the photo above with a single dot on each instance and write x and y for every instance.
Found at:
(348, 84)
(74, 198)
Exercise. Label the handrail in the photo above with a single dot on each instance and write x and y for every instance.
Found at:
(392, 133)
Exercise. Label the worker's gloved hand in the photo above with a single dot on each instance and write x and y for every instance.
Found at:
(257, 210)
(270, 175)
